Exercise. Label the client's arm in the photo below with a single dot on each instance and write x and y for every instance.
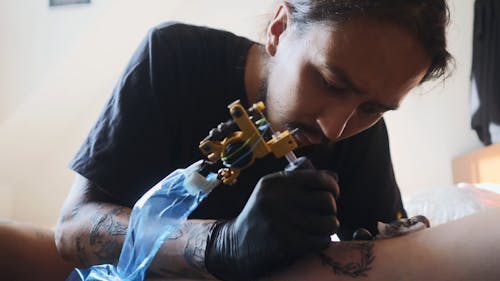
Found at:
(28, 252)
(466, 249)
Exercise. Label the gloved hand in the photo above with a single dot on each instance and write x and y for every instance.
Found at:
(289, 214)
(402, 227)
(394, 228)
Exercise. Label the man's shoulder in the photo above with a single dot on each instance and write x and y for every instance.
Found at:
(175, 40)
(173, 27)
(186, 30)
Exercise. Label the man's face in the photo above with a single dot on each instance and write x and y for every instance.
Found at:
(332, 83)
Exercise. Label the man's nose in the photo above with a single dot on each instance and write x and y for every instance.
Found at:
(334, 120)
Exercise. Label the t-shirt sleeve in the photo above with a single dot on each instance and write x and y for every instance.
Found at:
(123, 152)
(368, 189)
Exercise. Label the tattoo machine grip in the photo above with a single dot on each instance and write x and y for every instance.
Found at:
(300, 163)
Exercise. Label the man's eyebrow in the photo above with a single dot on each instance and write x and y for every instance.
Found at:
(340, 74)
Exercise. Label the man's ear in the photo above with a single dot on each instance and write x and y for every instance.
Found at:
(276, 28)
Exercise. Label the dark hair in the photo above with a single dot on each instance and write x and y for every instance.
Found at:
(425, 19)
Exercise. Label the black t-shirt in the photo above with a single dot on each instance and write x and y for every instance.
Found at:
(175, 89)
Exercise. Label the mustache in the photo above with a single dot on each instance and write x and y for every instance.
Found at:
(308, 130)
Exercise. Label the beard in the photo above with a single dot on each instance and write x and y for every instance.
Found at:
(290, 125)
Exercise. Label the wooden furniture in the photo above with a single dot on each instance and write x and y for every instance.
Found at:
(482, 165)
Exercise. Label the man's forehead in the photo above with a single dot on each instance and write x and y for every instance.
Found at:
(369, 50)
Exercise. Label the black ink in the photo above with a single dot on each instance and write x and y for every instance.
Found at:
(105, 224)
(80, 252)
(178, 234)
(194, 252)
(108, 252)
(95, 233)
(76, 209)
(106, 248)
(352, 269)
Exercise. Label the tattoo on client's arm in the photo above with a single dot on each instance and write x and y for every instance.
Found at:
(360, 258)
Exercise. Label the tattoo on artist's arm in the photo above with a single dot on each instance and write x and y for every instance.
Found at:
(102, 240)
(194, 252)
(194, 236)
(81, 253)
(361, 261)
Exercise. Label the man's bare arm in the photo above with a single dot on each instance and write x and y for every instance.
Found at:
(183, 254)
(92, 231)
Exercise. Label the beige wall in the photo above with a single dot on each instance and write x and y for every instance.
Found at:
(59, 65)
(432, 126)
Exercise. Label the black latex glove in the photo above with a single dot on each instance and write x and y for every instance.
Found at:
(289, 214)
(362, 234)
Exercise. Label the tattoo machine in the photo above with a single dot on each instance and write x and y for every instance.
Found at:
(158, 214)
(247, 136)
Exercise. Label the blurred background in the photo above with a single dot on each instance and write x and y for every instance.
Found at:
(60, 64)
